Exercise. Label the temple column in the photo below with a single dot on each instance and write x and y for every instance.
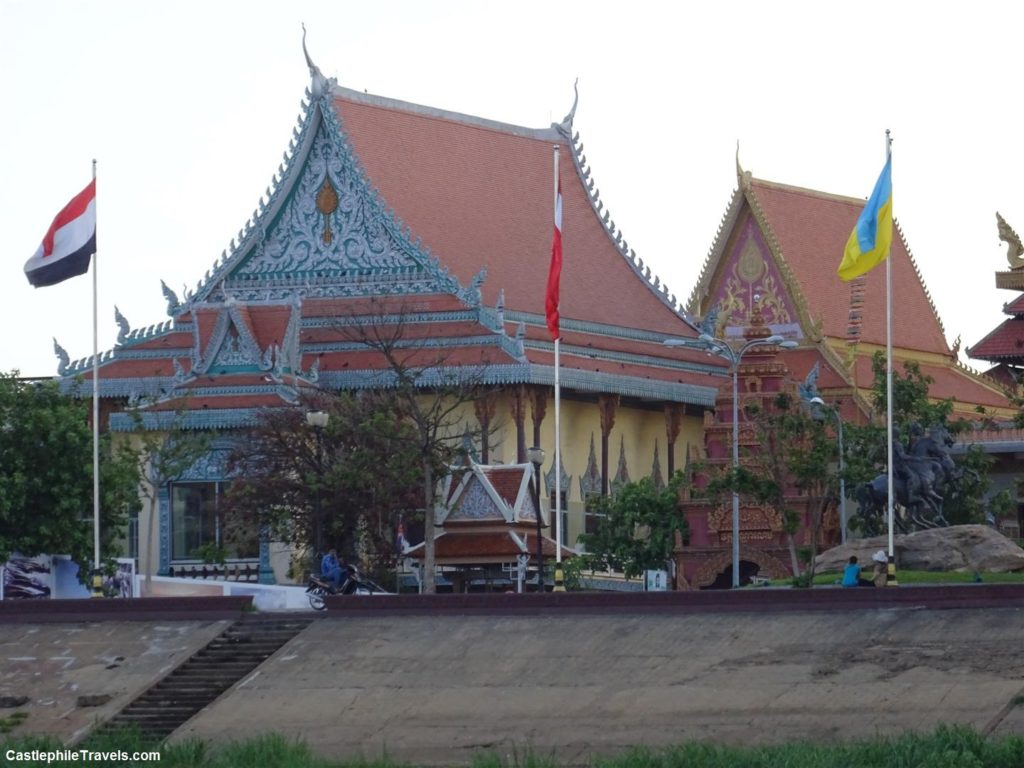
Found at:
(539, 406)
(607, 405)
(517, 404)
(485, 407)
(673, 425)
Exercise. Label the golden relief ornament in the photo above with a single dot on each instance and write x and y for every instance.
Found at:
(326, 204)
(750, 265)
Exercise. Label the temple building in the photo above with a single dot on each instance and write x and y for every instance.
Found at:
(397, 214)
(774, 260)
(393, 213)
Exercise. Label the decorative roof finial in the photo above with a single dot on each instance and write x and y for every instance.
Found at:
(123, 328)
(567, 120)
(742, 177)
(319, 84)
(62, 356)
(1008, 236)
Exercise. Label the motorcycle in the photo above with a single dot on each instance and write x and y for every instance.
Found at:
(320, 588)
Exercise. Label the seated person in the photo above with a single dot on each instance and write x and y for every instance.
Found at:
(851, 575)
(332, 570)
(880, 573)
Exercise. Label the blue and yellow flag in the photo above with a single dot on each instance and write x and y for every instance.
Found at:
(871, 238)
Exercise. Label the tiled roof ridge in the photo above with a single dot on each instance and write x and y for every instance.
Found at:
(434, 113)
(318, 110)
(811, 326)
(806, 191)
(276, 193)
(920, 278)
(614, 233)
(700, 288)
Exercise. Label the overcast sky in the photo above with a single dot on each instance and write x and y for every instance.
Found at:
(188, 107)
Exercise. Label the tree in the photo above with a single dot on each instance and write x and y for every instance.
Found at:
(792, 469)
(337, 487)
(431, 391)
(46, 487)
(965, 494)
(636, 528)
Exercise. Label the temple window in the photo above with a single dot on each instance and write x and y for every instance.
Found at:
(196, 522)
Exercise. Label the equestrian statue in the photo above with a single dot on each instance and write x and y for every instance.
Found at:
(923, 472)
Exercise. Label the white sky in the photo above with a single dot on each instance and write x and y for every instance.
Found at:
(188, 107)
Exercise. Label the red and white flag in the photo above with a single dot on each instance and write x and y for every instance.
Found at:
(69, 243)
(555, 271)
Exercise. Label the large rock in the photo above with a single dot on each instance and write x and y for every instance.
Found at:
(956, 548)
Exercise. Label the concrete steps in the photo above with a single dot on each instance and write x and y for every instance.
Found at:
(204, 676)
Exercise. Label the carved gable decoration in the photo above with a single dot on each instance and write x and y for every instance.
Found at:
(749, 270)
(475, 503)
(232, 346)
(329, 224)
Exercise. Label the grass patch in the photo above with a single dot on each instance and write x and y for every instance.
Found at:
(12, 721)
(919, 577)
(946, 747)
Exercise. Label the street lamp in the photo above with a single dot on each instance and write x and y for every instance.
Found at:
(536, 457)
(317, 420)
(733, 355)
(817, 401)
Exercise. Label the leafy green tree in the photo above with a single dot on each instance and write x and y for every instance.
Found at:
(337, 487)
(966, 495)
(46, 483)
(637, 527)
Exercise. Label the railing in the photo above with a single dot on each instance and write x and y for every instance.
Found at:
(240, 571)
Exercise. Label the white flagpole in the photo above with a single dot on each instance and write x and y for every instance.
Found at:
(891, 575)
(97, 580)
(559, 579)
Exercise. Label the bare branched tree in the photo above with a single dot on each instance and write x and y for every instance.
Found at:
(433, 386)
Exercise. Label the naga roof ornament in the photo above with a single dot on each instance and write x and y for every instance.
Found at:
(1014, 249)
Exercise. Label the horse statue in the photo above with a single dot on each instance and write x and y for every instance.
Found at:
(919, 477)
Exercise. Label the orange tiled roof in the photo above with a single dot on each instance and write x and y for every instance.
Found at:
(812, 229)
(479, 194)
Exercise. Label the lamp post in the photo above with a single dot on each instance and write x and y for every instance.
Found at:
(536, 457)
(317, 420)
(734, 355)
(817, 401)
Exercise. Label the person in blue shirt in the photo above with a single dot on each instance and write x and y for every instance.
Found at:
(331, 569)
(851, 575)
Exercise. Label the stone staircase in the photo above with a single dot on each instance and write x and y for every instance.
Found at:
(201, 679)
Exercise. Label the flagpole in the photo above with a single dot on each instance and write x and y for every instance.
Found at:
(97, 580)
(891, 570)
(559, 577)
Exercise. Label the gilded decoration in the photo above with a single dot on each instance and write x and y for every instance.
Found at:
(760, 522)
(767, 565)
(750, 278)
(327, 203)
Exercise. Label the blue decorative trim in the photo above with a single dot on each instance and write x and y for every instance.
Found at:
(356, 236)
(163, 421)
(632, 358)
(152, 354)
(413, 318)
(266, 572)
(164, 499)
(130, 388)
(600, 329)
